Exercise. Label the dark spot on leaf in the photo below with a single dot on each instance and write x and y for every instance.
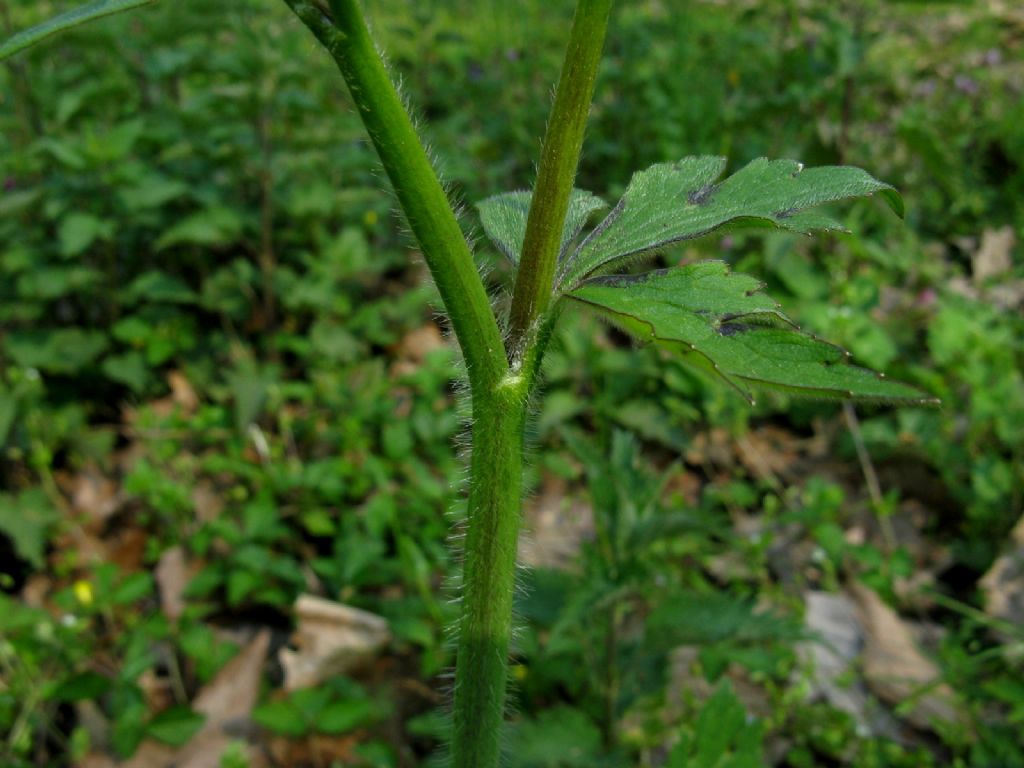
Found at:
(731, 329)
(702, 195)
(785, 213)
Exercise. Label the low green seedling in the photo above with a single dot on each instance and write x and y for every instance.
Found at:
(720, 323)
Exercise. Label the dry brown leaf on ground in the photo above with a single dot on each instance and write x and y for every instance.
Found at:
(172, 577)
(182, 392)
(420, 342)
(838, 641)
(714, 446)
(895, 670)
(94, 496)
(1003, 584)
(555, 527)
(226, 702)
(207, 501)
(330, 639)
(316, 750)
(768, 453)
(993, 255)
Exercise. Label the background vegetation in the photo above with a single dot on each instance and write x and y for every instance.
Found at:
(224, 385)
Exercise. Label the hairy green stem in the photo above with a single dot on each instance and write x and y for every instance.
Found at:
(500, 395)
(485, 627)
(557, 172)
(342, 30)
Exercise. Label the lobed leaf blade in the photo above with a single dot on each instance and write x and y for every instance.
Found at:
(672, 202)
(504, 219)
(722, 324)
(73, 18)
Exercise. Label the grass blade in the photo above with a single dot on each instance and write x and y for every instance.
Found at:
(80, 15)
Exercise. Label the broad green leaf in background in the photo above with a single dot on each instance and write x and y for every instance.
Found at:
(722, 737)
(214, 226)
(562, 738)
(77, 231)
(504, 219)
(158, 286)
(175, 726)
(26, 520)
(724, 325)
(58, 350)
(84, 13)
(671, 202)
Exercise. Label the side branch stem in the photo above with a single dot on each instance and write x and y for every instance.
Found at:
(557, 172)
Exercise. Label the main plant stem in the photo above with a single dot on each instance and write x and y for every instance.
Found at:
(485, 628)
(343, 32)
(500, 391)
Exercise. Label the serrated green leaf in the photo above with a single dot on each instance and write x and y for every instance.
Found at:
(84, 13)
(504, 219)
(721, 323)
(672, 202)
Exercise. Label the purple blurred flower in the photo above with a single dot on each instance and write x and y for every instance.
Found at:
(966, 84)
(926, 88)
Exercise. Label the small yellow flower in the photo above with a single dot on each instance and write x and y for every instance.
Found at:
(370, 218)
(83, 592)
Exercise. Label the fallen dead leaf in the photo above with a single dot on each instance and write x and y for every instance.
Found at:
(172, 576)
(714, 446)
(157, 690)
(127, 548)
(95, 496)
(227, 702)
(330, 639)
(993, 255)
(895, 670)
(768, 453)
(317, 750)
(207, 501)
(419, 343)
(555, 527)
(182, 392)
(832, 619)
(1003, 584)
(36, 590)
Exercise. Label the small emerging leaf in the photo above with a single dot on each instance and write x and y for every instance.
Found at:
(84, 13)
(504, 219)
(724, 325)
(671, 202)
